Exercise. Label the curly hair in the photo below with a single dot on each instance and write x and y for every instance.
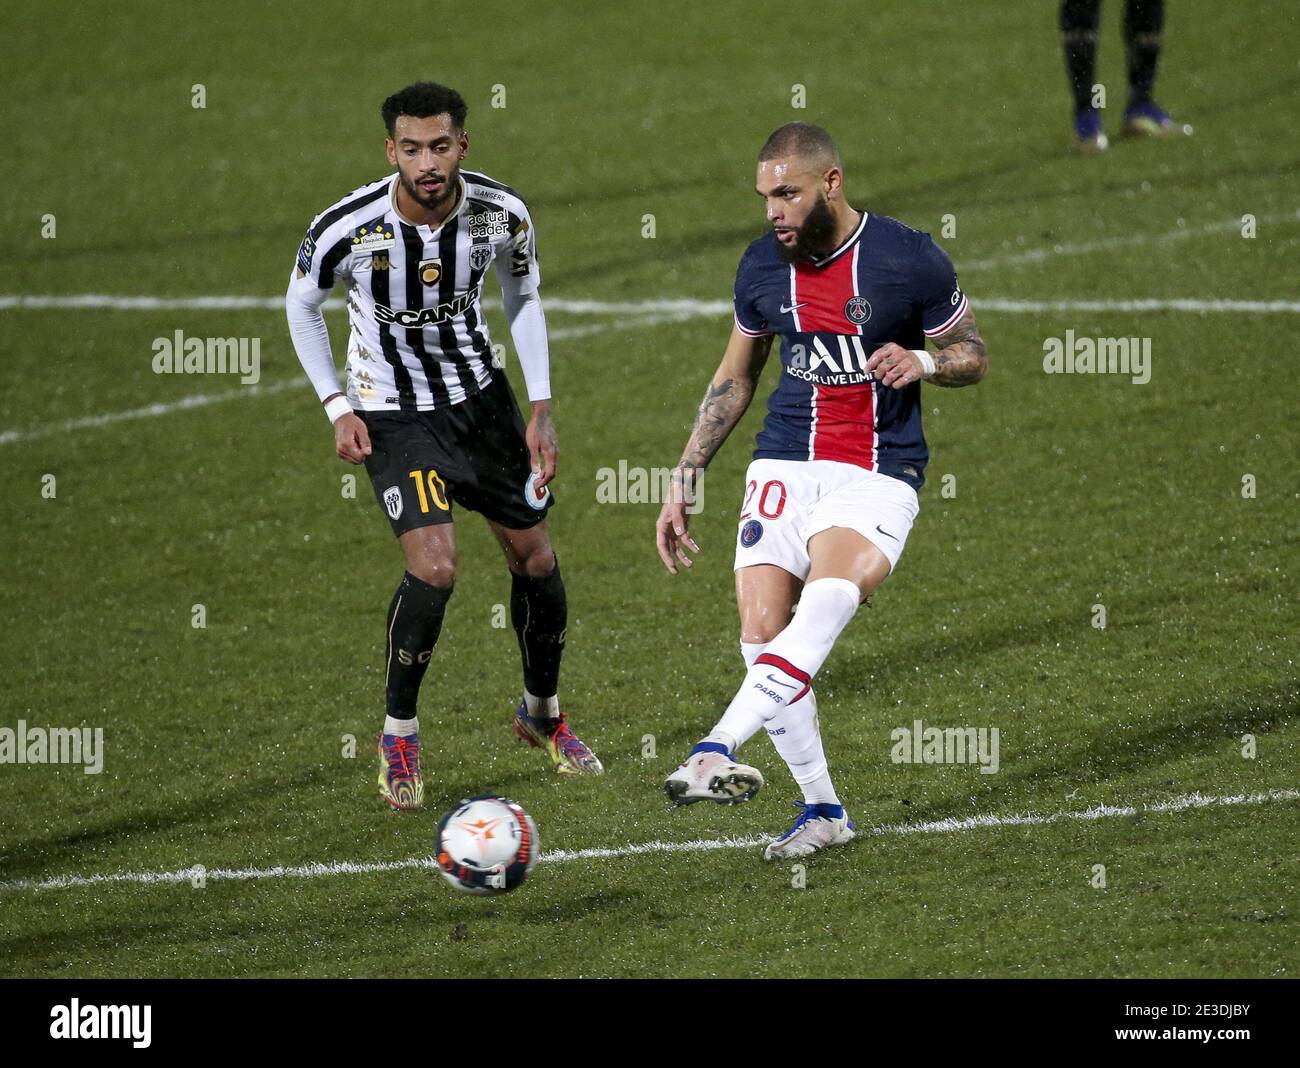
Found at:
(422, 100)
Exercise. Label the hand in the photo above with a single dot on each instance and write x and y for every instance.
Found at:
(671, 531)
(543, 448)
(895, 366)
(351, 439)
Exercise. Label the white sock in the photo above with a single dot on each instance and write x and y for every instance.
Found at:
(542, 707)
(403, 728)
(798, 745)
(782, 674)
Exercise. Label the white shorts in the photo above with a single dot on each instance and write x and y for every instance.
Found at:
(788, 501)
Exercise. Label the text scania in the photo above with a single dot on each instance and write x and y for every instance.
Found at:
(76, 1020)
(411, 318)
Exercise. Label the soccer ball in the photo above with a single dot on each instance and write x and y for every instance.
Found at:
(486, 845)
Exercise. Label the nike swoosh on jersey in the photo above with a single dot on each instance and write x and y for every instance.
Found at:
(885, 532)
(792, 307)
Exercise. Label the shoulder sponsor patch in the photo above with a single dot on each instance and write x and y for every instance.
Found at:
(520, 251)
(305, 253)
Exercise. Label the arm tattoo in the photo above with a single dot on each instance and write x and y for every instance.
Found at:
(723, 405)
(961, 359)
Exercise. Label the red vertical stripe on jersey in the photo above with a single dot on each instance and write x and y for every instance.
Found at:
(823, 292)
(843, 416)
(845, 425)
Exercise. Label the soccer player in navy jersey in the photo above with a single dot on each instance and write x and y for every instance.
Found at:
(832, 490)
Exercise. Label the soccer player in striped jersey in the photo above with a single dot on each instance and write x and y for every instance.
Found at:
(832, 491)
(429, 411)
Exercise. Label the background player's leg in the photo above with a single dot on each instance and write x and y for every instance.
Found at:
(1079, 22)
(539, 611)
(1143, 21)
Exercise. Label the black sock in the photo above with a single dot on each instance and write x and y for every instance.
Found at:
(540, 614)
(1143, 21)
(414, 623)
(1079, 22)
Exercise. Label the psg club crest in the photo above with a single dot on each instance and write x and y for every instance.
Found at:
(857, 310)
(393, 502)
(750, 533)
(479, 257)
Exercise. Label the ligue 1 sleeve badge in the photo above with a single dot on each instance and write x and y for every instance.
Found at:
(536, 500)
(750, 533)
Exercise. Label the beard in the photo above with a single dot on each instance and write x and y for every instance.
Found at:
(814, 238)
(430, 201)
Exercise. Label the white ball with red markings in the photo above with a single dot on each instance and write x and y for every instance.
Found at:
(486, 845)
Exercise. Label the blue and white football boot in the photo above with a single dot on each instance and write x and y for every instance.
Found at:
(817, 827)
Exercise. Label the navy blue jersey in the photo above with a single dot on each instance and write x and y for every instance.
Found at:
(887, 282)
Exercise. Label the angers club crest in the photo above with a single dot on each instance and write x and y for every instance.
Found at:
(393, 502)
(430, 272)
(479, 257)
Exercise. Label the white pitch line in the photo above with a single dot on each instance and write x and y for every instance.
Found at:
(673, 310)
(198, 400)
(648, 313)
(1108, 244)
(559, 856)
(202, 400)
(1178, 304)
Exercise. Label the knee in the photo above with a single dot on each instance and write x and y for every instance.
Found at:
(439, 572)
(760, 632)
(537, 564)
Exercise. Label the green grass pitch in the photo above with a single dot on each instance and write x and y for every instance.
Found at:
(225, 746)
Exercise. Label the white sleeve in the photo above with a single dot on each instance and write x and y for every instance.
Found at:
(311, 337)
(528, 330)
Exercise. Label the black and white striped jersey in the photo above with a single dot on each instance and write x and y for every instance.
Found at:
(419, 339)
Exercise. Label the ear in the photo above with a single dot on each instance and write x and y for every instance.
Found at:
(464, 144)
(833, 183)
(390, 148)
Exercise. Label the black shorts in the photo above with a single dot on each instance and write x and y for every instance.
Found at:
(473, 454)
